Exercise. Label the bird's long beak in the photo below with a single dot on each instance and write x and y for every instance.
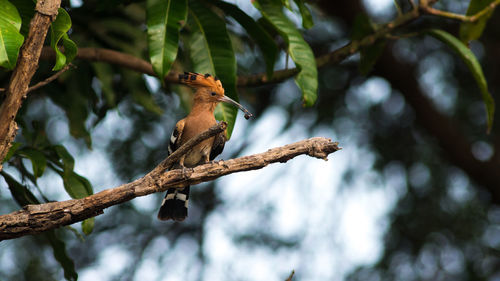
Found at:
(227, 99)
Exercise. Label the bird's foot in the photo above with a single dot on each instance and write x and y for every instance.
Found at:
(186, 172)
(220, 163)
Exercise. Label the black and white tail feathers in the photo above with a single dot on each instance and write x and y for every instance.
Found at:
(175, 204)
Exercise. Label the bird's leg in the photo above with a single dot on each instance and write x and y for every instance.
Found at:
(206, 158)
(184, 169)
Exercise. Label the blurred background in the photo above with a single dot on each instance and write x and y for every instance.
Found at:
(413, 194)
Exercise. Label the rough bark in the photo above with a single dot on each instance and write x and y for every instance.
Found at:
(27, 63)
(38, 218)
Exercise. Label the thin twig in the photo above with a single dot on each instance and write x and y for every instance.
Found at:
(50, 79)
(484, 11)
(290, 277)
(444, 14)
(398, 8)
(473, 18)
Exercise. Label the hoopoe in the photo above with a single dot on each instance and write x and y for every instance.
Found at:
(209, 92)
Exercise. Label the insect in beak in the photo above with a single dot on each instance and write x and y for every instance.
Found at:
(227, 99)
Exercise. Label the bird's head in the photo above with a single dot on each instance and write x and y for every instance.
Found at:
(209, 90)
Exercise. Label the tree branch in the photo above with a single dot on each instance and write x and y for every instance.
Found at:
(34, 219)
(27, 63)
(109, 56)
(142, 66)
(48, 80)
(473, 18)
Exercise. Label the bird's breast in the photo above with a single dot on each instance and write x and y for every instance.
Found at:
(199, 153)
(194, 126)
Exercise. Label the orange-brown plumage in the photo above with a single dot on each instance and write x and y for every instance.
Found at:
(200, 119)
(209, 92)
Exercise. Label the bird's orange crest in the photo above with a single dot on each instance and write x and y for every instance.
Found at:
(197, 80)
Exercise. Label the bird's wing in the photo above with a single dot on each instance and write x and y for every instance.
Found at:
(175, 138)
(218, 146)
(174, 206)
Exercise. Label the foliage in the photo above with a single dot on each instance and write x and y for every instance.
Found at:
(470, 60)
(58, 31)
(299, 50)
(214, 37)
(10, 37)
(165, 19)
(472, 30)
(212, 52)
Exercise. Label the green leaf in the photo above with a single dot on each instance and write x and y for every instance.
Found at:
(20, 192)
(141, 95)
(475, 68)
(12, 150)
(286, 3)
(213, 53)
(164, 20)
(75, 232)
(88, 226)
(369, 55)
(67, 160)
(38, 160)
(26, 9)
(307, 20)
(9, 14)
(23, 197)
(123, 33)
(60, 254)
(86, 184)
(267, 46)
(299, 50)
(104, 72)
(75, 185)
(57, 31)
(10, 37)
(145, 99)
(362, 26)
(25, 173)
(70, 48)
(473, 30)
(200, 55)
(76, 106)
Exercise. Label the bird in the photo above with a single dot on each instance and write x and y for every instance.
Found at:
(209, 92)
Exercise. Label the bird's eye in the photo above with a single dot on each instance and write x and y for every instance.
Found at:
(213, 94)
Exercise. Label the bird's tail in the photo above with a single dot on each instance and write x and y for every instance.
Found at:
(174, 206)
